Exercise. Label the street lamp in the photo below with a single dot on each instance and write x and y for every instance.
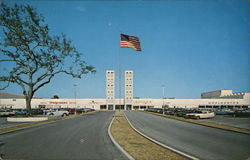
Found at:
(75, 96)
(163, 95)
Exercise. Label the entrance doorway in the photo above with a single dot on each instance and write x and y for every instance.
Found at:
(110, 107)
(103, 107)
(128, 107)
(119, 107)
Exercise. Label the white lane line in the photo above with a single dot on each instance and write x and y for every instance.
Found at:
(163, 145)
(116, 144)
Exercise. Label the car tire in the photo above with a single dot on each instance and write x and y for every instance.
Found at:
(198, 117)
(64, 115)
(51, 114)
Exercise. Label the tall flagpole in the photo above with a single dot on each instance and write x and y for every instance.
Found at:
(119, 70)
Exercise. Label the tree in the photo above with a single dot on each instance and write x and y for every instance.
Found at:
(55, 97)
(31, 56)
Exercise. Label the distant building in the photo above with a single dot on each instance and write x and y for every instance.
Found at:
(213, 99)
(224, 94)
(128, 85)
(110, 89)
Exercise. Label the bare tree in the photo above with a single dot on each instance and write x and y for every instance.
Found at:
(30, 56)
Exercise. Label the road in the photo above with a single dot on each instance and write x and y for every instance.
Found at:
(200, 141)
(81, 137)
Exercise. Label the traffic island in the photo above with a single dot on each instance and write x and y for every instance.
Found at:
(136, 145)
(27, 119)
(208, 124)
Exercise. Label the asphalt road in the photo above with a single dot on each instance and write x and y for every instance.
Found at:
(200, 141)
(82, 137)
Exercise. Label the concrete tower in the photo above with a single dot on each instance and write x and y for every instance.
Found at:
(128, 90)
(110, 89)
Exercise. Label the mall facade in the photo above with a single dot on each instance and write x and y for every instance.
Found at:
(213, 99)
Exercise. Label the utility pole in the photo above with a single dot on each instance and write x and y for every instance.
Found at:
(163, 96)
(75, 96)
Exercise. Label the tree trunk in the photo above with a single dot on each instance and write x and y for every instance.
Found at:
(28, 105)
(29, 97)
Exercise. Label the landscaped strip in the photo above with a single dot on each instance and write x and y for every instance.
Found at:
(209, 124)
(136, 145)
(23, 126)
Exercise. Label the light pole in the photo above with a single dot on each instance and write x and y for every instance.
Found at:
(75, 96)
(163, 95)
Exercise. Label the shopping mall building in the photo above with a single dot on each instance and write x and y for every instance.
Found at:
(214, 99)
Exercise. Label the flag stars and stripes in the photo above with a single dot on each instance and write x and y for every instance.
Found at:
(130, 42)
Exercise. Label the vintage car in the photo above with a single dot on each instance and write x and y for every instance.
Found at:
(6, 112)
(223, 112)
(58, 112)
(200, 115)
(241, 113)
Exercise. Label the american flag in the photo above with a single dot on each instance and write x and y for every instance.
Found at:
(130, 42)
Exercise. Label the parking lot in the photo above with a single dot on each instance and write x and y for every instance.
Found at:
(228, 118)
(241, 122)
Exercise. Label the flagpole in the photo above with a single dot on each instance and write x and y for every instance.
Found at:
(119, 68)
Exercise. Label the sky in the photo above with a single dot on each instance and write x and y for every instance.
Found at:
(189, 46)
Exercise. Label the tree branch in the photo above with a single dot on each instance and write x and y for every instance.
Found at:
(44, 83)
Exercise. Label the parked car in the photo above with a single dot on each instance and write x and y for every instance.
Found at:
(185, 112)
(24, 111)
(36, 111)
(200, 115)
(6, 112)
(20, 111)
(73, 111)
(241, 113)
(57, 112)
(223, 112)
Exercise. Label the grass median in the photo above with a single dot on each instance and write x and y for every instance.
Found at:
(136, 145)
(210, 124)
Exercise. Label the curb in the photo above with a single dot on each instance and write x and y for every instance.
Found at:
(198, 123)
(163, 145)
(116, 144)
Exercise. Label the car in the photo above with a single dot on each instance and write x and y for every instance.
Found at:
(73, 111)
(58, 112)
(241, 113)
(223, 112)
(200, 115)
(184, 113)
(20, 111)
(24, 111)
(6, 112)
(88, 109)
(36, 111)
